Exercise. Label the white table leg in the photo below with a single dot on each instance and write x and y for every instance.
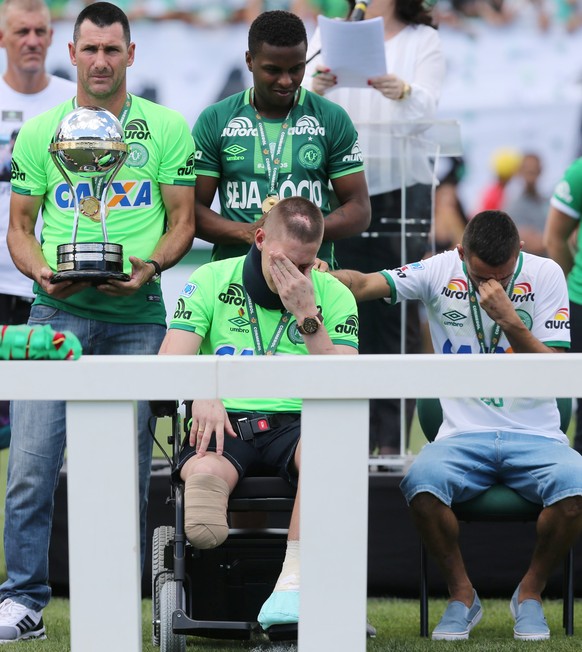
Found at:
(334, 525)
(104, 557)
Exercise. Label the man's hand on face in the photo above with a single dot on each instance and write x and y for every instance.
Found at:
(294, 286)
(494, 300)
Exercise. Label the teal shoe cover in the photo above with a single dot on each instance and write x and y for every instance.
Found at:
(281, 608)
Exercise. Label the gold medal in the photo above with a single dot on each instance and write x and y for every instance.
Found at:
(91, 208)
(269, 202)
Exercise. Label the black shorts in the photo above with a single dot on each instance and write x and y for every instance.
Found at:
(269, 452)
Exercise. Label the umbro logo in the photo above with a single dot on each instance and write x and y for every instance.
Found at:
(234, 152)
(454, 318)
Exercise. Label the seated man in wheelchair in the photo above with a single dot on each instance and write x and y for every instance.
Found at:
(487, 296)
(271, 301)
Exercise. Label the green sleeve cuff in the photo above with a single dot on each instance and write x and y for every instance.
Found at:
(393, 292)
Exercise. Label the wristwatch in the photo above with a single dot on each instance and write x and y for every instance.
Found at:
(157, 268)
(310, 324)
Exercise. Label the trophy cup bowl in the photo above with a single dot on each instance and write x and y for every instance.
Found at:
(89, 143)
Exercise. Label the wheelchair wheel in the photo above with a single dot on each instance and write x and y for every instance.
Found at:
(169, 642)
(162, 536)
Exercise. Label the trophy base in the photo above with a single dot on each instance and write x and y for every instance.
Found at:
(95, 277)
(93, 262)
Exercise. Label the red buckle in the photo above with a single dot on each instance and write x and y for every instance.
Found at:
(263, 424)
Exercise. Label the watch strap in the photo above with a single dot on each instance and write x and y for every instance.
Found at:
(157, 267)
(318, 317)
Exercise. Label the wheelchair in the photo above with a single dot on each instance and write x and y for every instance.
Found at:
(217, 593)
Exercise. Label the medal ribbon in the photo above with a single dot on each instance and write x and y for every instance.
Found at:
(256, 331)
(476, 313)
(272, 163)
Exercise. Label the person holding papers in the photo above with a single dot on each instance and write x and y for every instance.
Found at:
(407, 93)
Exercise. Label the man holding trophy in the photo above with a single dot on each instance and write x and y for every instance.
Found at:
(114, 177)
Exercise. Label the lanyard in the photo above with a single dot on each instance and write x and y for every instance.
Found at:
(476, 314)
(272, 163)
(256, 331)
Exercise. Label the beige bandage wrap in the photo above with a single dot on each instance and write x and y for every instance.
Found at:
(205, 502)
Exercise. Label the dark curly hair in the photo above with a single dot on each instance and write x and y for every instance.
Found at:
(279, 28)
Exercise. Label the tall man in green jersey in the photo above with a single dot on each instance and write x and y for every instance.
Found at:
(270, 301)
(151, 214)
(563, 240)
(276, 140)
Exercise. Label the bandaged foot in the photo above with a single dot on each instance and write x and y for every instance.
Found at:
(282, 606)
(205, 500)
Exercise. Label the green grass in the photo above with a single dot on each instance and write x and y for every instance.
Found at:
(396, 621)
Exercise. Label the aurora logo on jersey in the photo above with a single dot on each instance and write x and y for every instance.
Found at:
(15, 173)
(355, 156)
(456, 288)
(239, 126)
(351, 326)
(307, 124)
(126, 194)
(181, 312)
(189, 167)
(522, 292)
(560, 321)
(137, 130)
(234, 295)
(240, 194)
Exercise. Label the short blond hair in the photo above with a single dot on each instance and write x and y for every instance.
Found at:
(298, 217)
(23, 5)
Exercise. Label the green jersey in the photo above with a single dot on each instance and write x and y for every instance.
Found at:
(161, 152)
(567, 198)
(321, 143)
(213, 305)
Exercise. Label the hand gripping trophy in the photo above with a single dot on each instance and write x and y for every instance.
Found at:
(89, 143)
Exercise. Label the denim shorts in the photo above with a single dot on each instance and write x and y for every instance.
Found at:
(458, 468)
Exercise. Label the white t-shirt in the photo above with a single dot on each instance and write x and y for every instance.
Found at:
(15, 109)
(415, 55)
(540, 297)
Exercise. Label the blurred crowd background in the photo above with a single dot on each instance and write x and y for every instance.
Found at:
(513, 82)
(458, 14)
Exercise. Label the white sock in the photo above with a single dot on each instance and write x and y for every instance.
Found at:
(289, 577)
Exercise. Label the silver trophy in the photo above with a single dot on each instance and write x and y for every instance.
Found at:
(89, 143)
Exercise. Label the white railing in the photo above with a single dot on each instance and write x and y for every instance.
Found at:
(102, 487)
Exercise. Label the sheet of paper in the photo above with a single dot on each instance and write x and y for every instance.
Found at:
(354, 51)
